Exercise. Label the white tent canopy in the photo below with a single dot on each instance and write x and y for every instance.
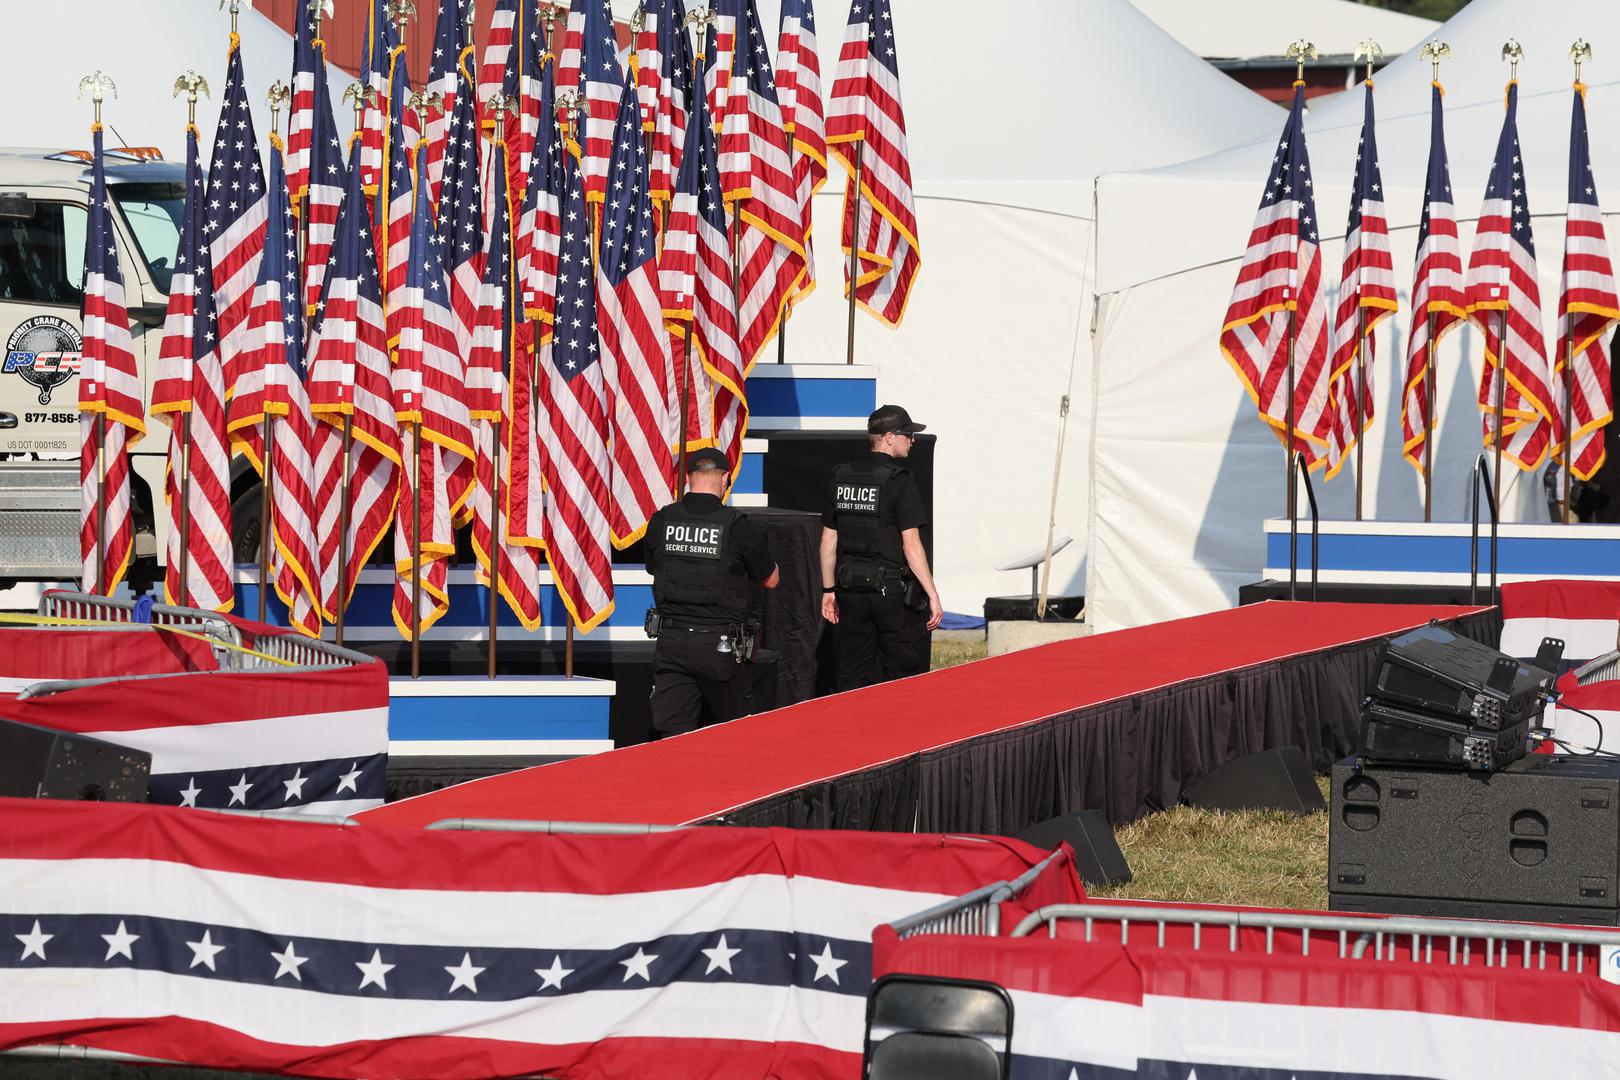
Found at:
(1183, 473)
(1245, 29)
(1009, 121)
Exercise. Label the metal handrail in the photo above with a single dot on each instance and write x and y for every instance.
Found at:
(1384, 934)
(1482, 477)
(1605, 668)
(66, 604)
(574, 828)
(1293, 536)
(977, 912)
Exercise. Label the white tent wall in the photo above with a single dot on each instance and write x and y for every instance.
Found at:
(142, 46)
(1183, 472)
(1003, 167)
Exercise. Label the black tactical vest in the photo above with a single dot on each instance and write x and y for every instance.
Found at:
(697, 566)
(867, 528)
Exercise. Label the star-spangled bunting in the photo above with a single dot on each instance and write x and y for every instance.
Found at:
(109, 391)
(635, 347)
(1587, 311)
(1438, 301)
(188, 393)
(865, 115)
(1501, 284)
(1366, 298)
(1277, 316)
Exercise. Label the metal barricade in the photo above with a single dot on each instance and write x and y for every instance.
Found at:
(978, 912)
(1389, 938)
(1605, 668)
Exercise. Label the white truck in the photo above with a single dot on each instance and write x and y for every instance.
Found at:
(44, 196)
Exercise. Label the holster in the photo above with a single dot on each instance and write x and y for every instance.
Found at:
(651, 623)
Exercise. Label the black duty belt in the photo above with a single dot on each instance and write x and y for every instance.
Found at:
(697, 628)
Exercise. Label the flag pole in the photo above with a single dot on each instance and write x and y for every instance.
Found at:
(99, 84)
(192, 84)
(1299, 50)
(854, 248)
(498, 104)
(686, 405)
(1428, 424)
(1372, 51)
(1579, 51)
(266, 508)
(1500, 410)
(422, 103)
(360, 95)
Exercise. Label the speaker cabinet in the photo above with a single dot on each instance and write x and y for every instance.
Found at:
(1538, 840)
(1096, 854)
(38, 763)
(1276, 779)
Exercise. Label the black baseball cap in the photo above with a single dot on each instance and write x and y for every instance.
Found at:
(707, 458)
(893, 418)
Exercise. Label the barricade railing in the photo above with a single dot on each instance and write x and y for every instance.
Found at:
(1605, 668)
(574, 828)
(1482, 482)
(1388, 937)
(978, 912)
(1316, 536)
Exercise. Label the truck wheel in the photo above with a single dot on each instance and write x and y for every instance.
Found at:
(247, 524)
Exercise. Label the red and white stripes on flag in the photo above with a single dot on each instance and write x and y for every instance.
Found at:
(798, 88)
(635, 347)
(1587, 311)
(664, 83)
(590, 66)
(1502, 289)
(451, 49)
(1366, 298)
(1438, 300)
(110, 417)
(492, 66)
(317, 187)
(880, 221)
(1277, 317)
(756, 174)
(236, 215)
(188, 393)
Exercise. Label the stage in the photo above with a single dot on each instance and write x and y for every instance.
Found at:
(1119, 721)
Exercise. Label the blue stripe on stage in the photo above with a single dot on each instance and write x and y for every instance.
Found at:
(751, 477)
(449, 717)
(812, 397)
(1551, 557)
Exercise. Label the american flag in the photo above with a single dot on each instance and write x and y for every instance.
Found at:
(499, 396)
(798, 85)
(451, 49)
(109, 391)
(375, 75)
(314, 156)
(522, 87)
(590, 65)
(271, 387)
(351, 378)
(635, 346)
(296, 947)
(429, 391)
(188, 392)
(288, 743)
(503, 28)
(1502, 281)
(694, 271)
(393, 212)
(537, 232)
(865, 110)
(461, 214)
(1587, 310)
(664, 86)
(574, 426)
(236, 215)
(1278, 300)
(756, 175)
(1438, 301)
(1366, 298)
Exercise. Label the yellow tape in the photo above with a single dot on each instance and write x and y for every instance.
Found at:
(17, 619)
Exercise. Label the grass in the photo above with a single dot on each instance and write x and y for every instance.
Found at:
(952, 647)
(1262, 858)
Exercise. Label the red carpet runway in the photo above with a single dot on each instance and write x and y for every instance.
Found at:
(759, 758)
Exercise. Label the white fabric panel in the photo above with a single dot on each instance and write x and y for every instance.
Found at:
(1245, 29)
(143, 53)
(1185, 473)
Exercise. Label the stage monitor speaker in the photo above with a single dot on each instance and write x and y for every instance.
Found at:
(1096, 854)
(1275, 779)
(1541, 835)
(38, 763)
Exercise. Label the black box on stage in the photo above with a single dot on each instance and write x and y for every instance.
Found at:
(38, 763)
(1395, 736)
(1538, 840)
(1434, 671)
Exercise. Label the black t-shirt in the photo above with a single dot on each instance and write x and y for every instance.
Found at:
(745, 542)
(900, 495)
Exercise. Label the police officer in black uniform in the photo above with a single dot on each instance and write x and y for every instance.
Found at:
(876, 585)
(704, 557)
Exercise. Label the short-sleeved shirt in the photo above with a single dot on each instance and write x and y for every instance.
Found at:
(900, 496)
(745, 543)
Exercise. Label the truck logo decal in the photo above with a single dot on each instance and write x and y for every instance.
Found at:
(44, 351)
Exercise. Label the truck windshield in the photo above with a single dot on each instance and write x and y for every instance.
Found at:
(154, 213)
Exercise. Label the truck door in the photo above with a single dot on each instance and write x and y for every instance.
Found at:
(41, 270)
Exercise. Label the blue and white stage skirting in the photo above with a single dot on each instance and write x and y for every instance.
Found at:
(811, 397)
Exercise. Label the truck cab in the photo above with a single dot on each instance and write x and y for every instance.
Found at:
(44, 198)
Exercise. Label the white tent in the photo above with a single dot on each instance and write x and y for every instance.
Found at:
(1183, 472)
(1245, 29)
(1010, 120)
(142, 49)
